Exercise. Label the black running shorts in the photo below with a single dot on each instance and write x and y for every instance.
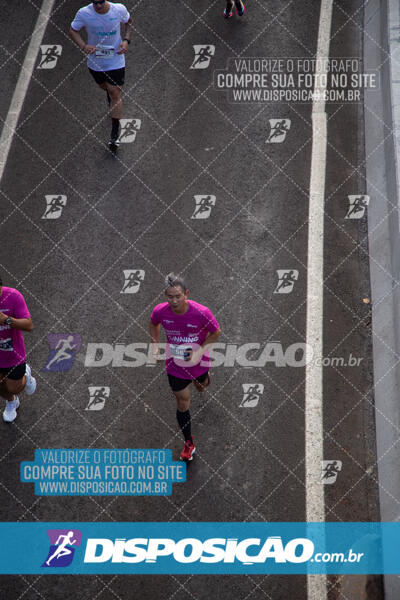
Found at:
(14, 373)
(114, 77)
(177, 384)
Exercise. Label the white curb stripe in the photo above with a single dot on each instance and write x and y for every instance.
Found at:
(315, 504)
(24, 78)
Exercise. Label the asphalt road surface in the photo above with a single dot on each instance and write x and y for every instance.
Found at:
(135, 210)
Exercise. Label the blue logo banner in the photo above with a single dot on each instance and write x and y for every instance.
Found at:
(199, 548)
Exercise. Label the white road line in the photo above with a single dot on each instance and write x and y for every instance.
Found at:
(315, 503)
(21, 88)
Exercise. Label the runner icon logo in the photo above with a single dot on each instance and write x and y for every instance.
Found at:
(286, 281)
(357, 206)
(54, 206)
(203, 206)
(133, 279)
(97, 397)
(63, 347)
(279, 129)
(129, 129)
(50, 56)
(63, 543)
(251, 394)
(202, 56)
(330, 470)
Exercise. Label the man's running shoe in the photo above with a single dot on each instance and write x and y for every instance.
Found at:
(114, 137)
(114, 142)
(10, 411)
(30, 386)
(188, 450)
(228, 12)
(239, 8)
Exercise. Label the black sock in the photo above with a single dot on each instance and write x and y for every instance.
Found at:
(184, 423)
(115, 128)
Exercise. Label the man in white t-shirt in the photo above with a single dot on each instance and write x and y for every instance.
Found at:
(106, 50)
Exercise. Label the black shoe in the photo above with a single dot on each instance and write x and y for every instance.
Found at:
(239, 7)
(114, 137)
(114, 142)
(228, 12)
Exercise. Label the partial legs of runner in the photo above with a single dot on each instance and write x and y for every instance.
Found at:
(228, 10)
(104, 87)
(183, 399)
(4, 393)
(115, 93)
(239, 8)
(200, 387)
(183, 417)
(11, 387)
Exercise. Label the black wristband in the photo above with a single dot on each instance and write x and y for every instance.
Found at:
(126, 40)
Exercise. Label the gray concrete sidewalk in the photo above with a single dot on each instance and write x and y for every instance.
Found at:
(382, 119)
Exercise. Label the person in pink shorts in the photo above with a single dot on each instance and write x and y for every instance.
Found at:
(15, 373)
(191, 329)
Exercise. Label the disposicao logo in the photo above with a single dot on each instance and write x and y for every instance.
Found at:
(191, 550)
(63, 348)
(62, 547)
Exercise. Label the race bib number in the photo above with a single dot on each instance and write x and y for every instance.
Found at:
(104, 51)
(6, 345)
(178, 351)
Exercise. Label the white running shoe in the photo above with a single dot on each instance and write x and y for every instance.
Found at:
(30, 386)
(10, 411)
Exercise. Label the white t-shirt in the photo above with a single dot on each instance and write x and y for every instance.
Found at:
(104, 32)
